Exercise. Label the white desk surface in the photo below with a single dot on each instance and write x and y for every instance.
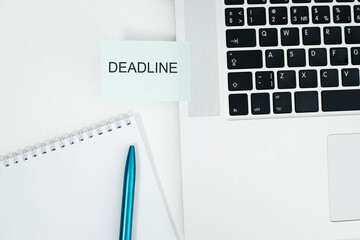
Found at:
(33, 110)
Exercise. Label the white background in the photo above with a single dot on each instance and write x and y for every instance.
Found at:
(50, 76)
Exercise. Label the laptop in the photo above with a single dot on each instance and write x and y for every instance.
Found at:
(269, 140)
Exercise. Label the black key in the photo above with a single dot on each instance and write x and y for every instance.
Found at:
(260, 103)
(355, 56)
(322, 1)
(279, 1)
(342, 100)
(338, 56)
(308, 78)
(256, 1)
(278, 15)
(350, 77)
(357, 13)
(296, 57)
(289, 36)
(240, 38)
(332, 35)
(299, 15)
(321, 14)
(341, 14)
(286, 79)
(301, 1)
(317, 57)
(240, 81)
(268, 37)
(311, 35)
(329, 78)
(352, 35)
(264, 80)
(244, 59)
(282, 102)
(256, 16)
(274, 58)
(238, 104)
(306, 102)
(233, 2)
(345, 0)
(234, 16)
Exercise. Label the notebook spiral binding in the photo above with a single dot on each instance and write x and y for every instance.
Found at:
(64, 141)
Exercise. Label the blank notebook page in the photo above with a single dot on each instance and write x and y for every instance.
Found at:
(75, 192)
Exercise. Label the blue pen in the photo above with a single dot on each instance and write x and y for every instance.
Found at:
(128, 196)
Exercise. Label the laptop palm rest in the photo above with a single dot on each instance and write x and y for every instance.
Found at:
(344, 177)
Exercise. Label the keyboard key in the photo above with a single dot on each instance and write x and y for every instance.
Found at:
(286, 79)
(357, 13)
(234, 16)
(238, 104)
(308, 79)
(240, 81)
(282, 102)
(233, 2)
(311, 35)
(323, 1)
(240, 38)
(260, 103)
(352, 35)
(268, 37)
(341, 14)
(321, 14)
(274, 58)
(264, 80)
(341, 100)
(301, 1)
(355, 56)
(296, 57)
(329, 78)
(279, 1)
(244, 59)
(278, 15)
(350, 77)
(256, 1)
(332, 35)
(338, 56)
(317, 57)
(306, 102)
(289, 36)
(345, 0)
(256, 16)
(299, 15)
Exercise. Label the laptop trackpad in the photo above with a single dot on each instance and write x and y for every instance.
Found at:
(344, 176)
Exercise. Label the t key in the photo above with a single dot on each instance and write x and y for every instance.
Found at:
(352, 35)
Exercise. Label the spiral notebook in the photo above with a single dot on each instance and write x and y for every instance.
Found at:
(71, 188)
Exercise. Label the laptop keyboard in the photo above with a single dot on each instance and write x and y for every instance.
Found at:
(292, 57)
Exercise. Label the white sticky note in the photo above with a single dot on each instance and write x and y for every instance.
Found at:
(145, 71)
